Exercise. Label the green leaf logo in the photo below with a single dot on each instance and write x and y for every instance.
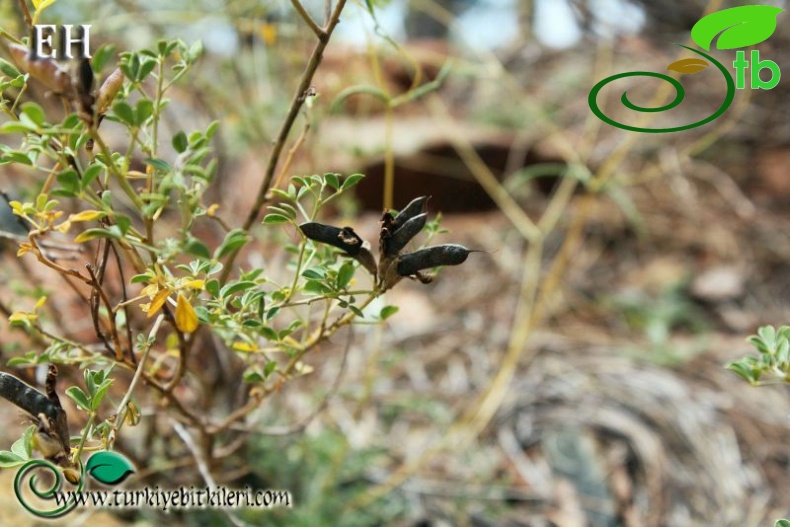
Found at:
(741, 26)
(109, 468)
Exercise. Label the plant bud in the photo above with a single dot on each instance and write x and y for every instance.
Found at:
(108, 90)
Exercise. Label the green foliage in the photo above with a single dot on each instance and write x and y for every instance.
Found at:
(174, 282)
(773, 359)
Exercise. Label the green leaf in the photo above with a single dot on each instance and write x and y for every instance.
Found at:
(739, 27)
(351, 180)
(158, 164)
(144, 110)
(387, 311)
(98, 397)
(16, 127)
(745, 369)
(269, 334)
(768, 335)
(35, 112)
(275, 219)
(124, 112)
(269, 368)
(15, 157)
(314, 273)
(232, 288)
(344, 275)
(211, 129)
(782, 523)
(10, 460)
(79, 397)
(69, 180)
(332, 180)
(123, 223)
(180, 142)
(21, 446)
(102, 56)
(91, 234)
(90, 174)
(314, 286)
(145, 69)
(284, 210)
(235, 239)
(197, 248)
(212, 286)
(195, 51)
(8, 69)
(109, 468)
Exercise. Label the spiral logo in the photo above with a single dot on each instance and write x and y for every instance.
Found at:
(680, 94)
(735, 28)
(46, 494)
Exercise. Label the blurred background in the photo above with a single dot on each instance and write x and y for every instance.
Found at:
(569, 374)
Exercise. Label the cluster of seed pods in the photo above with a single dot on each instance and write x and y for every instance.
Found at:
(396, 232)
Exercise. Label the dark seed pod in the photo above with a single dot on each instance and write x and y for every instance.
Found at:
(415, 207)
(397, 240)
(26, 397)
(345, 238)
(449, 254)
(53, 433)
(85, 97)
(368, 261)
(85, 76)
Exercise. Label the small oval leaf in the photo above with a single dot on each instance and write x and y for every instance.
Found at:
(688, 66)
(109, 468)
(739, 26)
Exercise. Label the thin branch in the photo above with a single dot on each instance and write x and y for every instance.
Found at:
(26, 13)
(319, 32)
(194, 449)
(120, 413)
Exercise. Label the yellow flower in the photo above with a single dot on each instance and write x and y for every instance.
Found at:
(186, 318)
(24, 248)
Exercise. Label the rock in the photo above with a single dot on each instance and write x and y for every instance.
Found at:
(725, 282)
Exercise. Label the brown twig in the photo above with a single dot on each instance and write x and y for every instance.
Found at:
(26, 13)
(318, 30)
